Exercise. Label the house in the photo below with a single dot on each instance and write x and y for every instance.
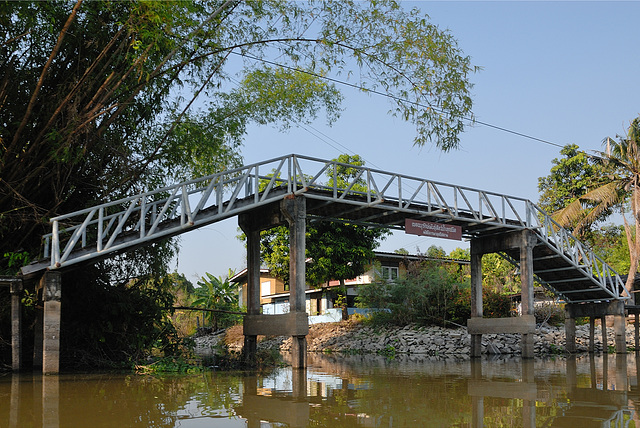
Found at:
(274, 294)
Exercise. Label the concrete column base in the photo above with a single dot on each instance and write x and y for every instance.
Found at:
(476, 345)
(528, 345)
(619, 327)
(570, 333)
(16, 325)
(298, 352)
(51, 323)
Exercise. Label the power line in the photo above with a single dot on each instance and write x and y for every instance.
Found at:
(396, 98)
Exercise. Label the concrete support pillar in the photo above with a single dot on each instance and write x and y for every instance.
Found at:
(16, 324)
(295, 211)
(52, 293)
(37, 332)
(253, 287)
(619, 327)
(636, 328)
(570, 331)
(592, 335)
(526, 277)
(605, 341)
(476, 297)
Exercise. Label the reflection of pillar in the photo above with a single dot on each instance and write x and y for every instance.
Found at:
(570, 331)
(622, 381)
(51, 293)
(477, 413)
(528, 371)
(528, 405)
(477, 401)
(50, 402)
(572, 372)
(526, 277)
(16, 324)
(295, 211)
(299, 383)
(14, 412)
(250, 389)
(476, 297)
(529, 413)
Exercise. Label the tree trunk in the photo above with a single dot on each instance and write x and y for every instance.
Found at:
(343, 289)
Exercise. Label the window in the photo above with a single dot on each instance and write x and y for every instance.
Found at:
(390, 273)
(265, 288)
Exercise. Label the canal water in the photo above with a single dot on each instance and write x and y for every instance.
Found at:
(341, 391)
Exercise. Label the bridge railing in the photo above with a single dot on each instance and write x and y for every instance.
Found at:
(131, 221)
(573, 250)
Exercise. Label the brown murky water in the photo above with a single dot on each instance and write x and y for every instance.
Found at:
(352, 391)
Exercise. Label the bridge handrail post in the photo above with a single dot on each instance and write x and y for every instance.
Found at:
(290, 174)
(55, 243)
(100, 229)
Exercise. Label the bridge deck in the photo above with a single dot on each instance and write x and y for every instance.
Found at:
(371, 197)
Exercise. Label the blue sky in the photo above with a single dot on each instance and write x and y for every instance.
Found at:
(565, 72)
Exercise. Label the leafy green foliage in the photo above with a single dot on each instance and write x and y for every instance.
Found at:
(97, 99)
(427, 294)
(219, 294)
(117, 326)
(337, 251)
(618, 189)
(570, 178)
(499, 275)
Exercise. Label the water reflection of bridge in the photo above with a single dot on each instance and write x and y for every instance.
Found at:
(605, 400)
(598, 398)
(352, 391)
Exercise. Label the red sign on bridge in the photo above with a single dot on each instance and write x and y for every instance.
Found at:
(436, 230)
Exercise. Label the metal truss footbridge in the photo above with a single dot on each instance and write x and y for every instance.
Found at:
(368, 196)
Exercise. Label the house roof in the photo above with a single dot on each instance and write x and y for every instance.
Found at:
(237, 278)
(379, 255)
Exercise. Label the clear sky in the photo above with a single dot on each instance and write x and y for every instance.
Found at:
(565, 72)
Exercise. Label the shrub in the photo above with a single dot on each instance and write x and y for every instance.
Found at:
(428, 295)
(551, 313)
(495, 305)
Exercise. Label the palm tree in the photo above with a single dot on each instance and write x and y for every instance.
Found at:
(621, 190)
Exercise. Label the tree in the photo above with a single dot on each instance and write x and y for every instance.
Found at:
(570, 178)
(337, 250)
(101, 100)
(619, 189)
(98, 97)
(219, 294)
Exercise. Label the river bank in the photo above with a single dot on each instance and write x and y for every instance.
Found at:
(357, 337)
